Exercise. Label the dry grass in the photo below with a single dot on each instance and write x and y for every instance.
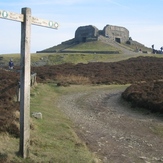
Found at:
(72, 79)
(8, 147)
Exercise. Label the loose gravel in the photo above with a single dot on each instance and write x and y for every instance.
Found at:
(112, 129)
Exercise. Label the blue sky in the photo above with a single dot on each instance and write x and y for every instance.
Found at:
(143, 19)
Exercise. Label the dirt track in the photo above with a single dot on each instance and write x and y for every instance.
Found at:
(112, 129)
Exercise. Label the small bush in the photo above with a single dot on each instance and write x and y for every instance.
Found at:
(4, 158)
(13, 129)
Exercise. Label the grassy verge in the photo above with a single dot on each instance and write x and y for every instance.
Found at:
(60, 58)
(52, 138)
(56, 141)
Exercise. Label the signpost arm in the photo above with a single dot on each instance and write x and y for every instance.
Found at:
(25, 64)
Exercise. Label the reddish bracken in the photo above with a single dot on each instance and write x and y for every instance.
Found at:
(145, 73)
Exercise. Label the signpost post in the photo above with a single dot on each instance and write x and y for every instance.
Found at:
(26, 20)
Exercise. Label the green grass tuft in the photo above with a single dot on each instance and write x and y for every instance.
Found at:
(52, 138)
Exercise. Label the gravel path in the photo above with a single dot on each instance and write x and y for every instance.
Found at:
(112, 129)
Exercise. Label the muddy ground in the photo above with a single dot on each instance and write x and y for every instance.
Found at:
(144, 73)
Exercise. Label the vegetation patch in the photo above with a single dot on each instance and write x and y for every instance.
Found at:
(147, 95)
(93, 46)
(52, 137)
(65, 80)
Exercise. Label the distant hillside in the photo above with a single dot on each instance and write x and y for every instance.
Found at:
(103, 46)
(86, 47)
(110, 40)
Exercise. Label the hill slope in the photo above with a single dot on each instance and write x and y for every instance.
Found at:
(102, 45)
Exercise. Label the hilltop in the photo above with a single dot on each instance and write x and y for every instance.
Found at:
(90, 44)
(110, 40)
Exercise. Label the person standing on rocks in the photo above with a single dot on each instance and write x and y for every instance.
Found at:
(11, 64)
(153, 50)
(161, 49)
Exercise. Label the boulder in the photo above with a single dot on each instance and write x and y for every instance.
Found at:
(37, 115)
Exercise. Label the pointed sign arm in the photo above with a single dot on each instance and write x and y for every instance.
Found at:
(35, 21)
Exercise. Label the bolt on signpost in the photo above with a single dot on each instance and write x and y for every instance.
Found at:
(26, 20)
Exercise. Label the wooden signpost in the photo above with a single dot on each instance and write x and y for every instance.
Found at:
(25, 65)
(35, 21)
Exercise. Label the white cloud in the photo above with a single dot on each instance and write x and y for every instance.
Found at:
(117, 3)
